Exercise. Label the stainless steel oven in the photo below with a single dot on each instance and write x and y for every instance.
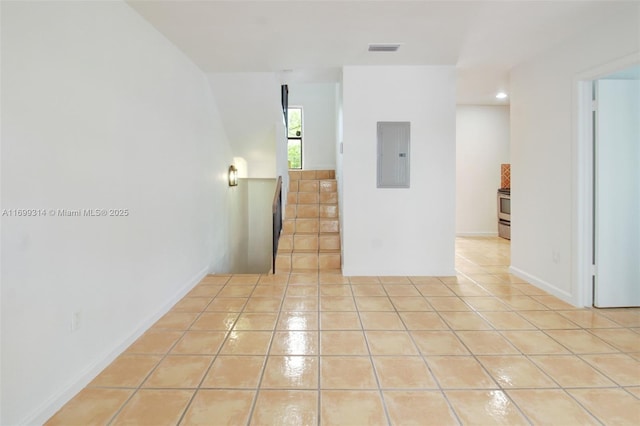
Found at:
(504, 204)
(504, 213)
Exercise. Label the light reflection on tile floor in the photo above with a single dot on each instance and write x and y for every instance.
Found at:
(480, 348)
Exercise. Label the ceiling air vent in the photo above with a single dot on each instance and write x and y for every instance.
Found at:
(384, 47)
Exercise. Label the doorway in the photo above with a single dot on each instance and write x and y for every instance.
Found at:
(608, 231)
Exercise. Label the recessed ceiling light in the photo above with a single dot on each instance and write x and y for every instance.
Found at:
(501, 95)
(384, 47)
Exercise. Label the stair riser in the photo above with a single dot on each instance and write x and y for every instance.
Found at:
(308, 198)
(329, 242)
(310, 226)
(329, 261)
(298, 261)
(306, 211)
(306, 242)
(312, 174)
(323, 197)
(313, 186)
(282, 268)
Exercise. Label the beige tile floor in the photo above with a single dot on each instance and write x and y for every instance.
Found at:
(483, 347)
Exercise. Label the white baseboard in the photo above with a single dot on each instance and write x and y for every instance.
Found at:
(476, 234)
(543, 285)
(51, 405)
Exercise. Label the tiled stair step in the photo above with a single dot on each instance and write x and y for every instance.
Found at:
(311, 226)
(329, 226)
(311, 174)
(303, 198)
(313, 186)
(323, 198)
(309, 211)
(308, 261)
(329, 241)
(309, 242)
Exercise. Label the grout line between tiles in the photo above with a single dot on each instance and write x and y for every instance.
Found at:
(433, 376)
(267, 354)
(319, 374)
(482, 366)
(164, 356)
(214, 357)
(468, 300)
(582, 406)
(373, 366)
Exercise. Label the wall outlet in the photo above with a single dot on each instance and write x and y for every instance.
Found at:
(555, 255)
(76, 320)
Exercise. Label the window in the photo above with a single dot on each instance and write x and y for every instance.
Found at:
(294, 145)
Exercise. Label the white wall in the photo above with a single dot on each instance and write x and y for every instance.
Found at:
(98, 111)
(250, 108)
(238, 225)
(319, 123)
(251, 226)
(482, 144)
(399, 231)
(543, 114)
(261, 193)
(339, 139)
(257, 232)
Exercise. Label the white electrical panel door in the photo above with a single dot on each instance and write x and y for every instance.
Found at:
(393, 154)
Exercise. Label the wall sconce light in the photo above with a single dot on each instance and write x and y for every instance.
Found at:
(233, 176)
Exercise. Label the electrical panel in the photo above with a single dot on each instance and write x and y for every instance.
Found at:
(393, 154)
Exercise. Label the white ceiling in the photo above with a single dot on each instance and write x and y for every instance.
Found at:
(312, 40)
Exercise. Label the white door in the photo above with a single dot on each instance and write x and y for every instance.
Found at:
(617, 194)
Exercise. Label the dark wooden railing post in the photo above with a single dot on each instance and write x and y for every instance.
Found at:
(277, 219)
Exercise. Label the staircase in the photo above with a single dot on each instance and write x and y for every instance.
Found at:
(310, 238)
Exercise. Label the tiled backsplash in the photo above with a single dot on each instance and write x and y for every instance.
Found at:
(505, 175)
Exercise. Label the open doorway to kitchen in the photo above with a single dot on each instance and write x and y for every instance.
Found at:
(294, 137)
(483, 178)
